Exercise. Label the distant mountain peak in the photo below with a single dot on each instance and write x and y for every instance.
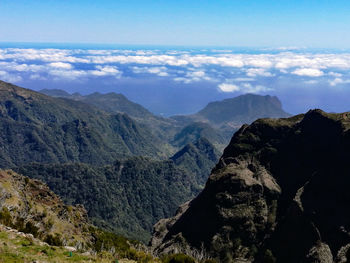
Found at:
(110, 102)
(242, 109)
(55, 93)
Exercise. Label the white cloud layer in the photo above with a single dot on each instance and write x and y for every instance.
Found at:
(226, 87)
(182, 66)
(43, 55)
(308, 72)
(282, 60)
(105, 71)
(335, 74)
(194, 76)
(160, 71)
(5, 76)
(61, 65)
(13, 66)
(100, 71)
(337, 81)
(243, 87)
(254, 72)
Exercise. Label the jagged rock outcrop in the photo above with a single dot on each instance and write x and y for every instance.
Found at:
(279, 193)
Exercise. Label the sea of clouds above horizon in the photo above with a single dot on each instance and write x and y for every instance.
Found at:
(306, 78)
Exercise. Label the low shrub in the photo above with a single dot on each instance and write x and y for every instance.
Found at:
(5, 217)
(54, 240)
(178, 258)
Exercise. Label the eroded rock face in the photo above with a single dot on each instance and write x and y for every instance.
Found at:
(280, 192)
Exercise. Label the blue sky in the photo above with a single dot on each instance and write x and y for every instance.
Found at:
(174, 57)
(299, 23)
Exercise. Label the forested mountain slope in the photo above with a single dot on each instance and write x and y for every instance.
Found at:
(38, 128)
(131, 194)
(127, 197)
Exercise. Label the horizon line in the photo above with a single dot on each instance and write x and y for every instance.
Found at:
(272, 47)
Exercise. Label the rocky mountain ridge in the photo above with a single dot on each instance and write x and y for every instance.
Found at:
(278, 194)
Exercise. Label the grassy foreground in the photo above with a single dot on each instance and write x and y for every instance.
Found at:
(16, 248)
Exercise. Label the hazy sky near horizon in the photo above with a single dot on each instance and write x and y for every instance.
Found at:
(302, 23)
(183, 80)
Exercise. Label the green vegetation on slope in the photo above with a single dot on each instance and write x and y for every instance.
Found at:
(38, 128)
(114, 103)
(16, 248)
(197, 158)
(217, 121)
(31, 207)
(109, 102)
(36, 224)
(129, 196)
(197, 130)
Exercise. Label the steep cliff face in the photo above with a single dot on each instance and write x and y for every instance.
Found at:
(279, 193)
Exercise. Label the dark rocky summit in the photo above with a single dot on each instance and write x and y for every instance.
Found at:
(280, 193)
